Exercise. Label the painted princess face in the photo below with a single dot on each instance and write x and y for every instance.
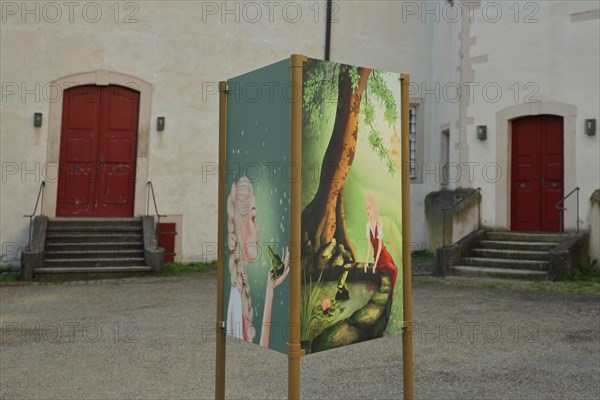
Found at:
(249, 231)
(369, 209)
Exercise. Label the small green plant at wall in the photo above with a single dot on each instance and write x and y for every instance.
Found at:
(586, 272)
(8, 277)
(176, 269)
(423, 255)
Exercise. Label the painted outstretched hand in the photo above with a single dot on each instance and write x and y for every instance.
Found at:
(280, 267)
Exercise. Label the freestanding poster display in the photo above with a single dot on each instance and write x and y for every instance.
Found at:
(313, 211)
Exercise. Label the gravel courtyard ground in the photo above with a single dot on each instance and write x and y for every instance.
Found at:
(153, 339)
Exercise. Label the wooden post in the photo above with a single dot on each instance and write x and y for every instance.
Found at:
(219, 326)
(295, 352)
(407, 354)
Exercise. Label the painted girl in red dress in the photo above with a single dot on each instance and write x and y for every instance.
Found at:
(383, 259)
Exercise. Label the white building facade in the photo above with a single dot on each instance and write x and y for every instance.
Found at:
(478, 63)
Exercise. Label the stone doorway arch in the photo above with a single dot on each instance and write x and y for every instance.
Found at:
(504, 154)
(100, 78)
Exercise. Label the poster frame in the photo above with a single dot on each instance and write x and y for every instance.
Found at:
(295, 352)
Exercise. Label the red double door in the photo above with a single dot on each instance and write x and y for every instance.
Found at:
(537, 173)
(98, 149)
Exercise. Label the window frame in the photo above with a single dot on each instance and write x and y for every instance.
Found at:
(416, 140)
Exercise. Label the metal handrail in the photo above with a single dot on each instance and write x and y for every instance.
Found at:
(150, 190)
(453, 206)
(563, 209)
(30, 216)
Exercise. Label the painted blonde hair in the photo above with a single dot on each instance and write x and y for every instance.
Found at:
(238, 211)
(374, 208)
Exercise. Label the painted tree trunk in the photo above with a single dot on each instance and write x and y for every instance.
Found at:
(323, 218)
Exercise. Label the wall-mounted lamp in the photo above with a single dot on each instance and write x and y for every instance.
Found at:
(37, 120)
(160, 123)
(482, 132)
(590, 127)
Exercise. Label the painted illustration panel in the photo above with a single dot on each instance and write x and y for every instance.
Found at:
(257, 212)
(351, 205)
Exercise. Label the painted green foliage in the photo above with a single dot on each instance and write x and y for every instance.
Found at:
(351, 155)
(320, 87)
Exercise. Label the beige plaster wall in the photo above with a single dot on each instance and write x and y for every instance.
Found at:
(543, 60)
(543, 56)
(182, 49)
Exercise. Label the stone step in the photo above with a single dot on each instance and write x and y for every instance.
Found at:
(523, 236)
(68, 222)
(532, 265)
(511, 254)
(499, 244)
(501, 273)
(68, 254)
(86, 273)
(93, 248)
(57, 238)
(121, 268)
(92, 262)
(85, 230)
(82, 246)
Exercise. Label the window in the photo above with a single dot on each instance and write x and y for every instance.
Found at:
(416, 139)
(412, 121)
(445, 158)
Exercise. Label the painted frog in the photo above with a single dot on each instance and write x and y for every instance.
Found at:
(277, 266)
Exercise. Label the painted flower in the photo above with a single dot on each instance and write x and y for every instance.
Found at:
(326, 305)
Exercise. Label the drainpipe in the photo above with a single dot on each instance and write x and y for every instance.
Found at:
(328, 30)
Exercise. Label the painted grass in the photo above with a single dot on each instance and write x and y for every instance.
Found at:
(311, 295)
